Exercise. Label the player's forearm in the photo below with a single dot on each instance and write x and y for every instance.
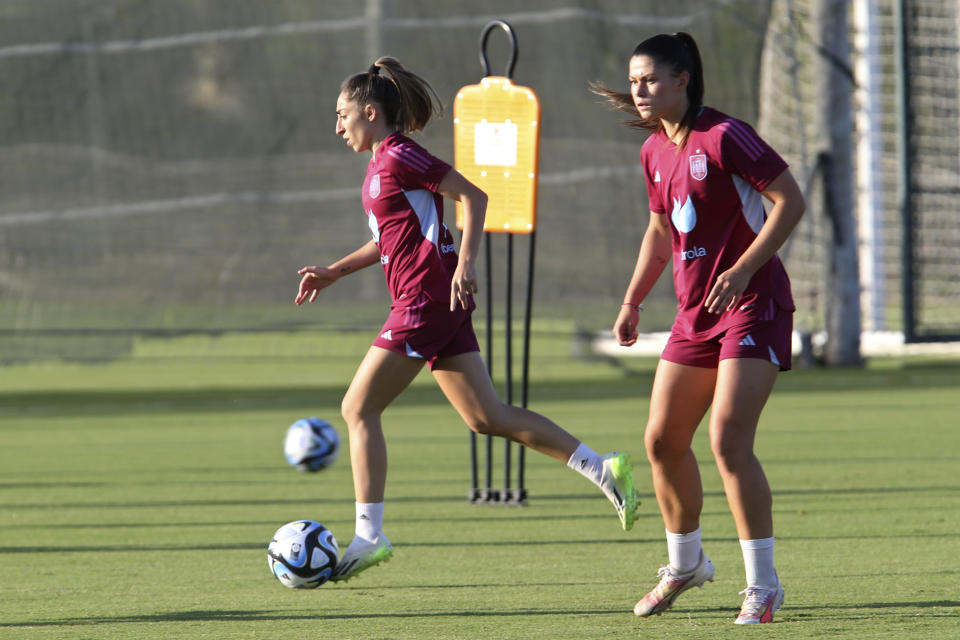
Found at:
(651, 261)
(783, 219)
(473, 203)
(363, 257)
(474, 212)
(788, 208)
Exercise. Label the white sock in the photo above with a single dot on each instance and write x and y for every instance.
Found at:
(758, 562)
(684, 550)
(369, 520)
(588, 463)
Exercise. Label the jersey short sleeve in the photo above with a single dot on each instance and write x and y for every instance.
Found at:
(413, 166)
(746, 154)
(651, 173)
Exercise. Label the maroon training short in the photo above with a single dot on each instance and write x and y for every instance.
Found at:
(428, 330)
(770, 340)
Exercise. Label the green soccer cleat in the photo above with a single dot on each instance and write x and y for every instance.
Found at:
(617, 483)
(360, 556)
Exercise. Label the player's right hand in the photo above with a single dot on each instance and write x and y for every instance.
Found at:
(625, 328)
(314, 279)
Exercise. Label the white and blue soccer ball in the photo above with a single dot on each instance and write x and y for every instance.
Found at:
(311, 444)
(303, 554)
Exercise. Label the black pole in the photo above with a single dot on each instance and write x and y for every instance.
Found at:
(474, 487)
(526, 324)
(489, 333)
(525, 374)
(509, 360)
(904, 130)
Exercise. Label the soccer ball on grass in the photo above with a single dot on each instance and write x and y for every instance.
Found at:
(302, 554)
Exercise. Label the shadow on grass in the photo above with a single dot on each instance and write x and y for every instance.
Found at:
(478, 519)
(834, 611)
(226, 399)
(273, 616)
(305, 398)
(437, 544)
(451, 499)
(242, 615)
(258, 546)
(945, 604)
(239, 502)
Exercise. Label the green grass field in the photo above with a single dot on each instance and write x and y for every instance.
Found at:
(137, 498)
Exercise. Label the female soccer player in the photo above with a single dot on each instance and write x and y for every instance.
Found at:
(432, 291)
(705, 174)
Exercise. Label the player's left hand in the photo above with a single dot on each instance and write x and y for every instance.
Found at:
(313, 281)
(463, 285)
(727, 291)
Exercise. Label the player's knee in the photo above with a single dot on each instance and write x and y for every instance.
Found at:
(480, 427)
(485, 422)
(481, 424)
(661, 448)
(730, 453)
(352, 412)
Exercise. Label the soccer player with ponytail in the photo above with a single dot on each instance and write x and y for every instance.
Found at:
(707, 175)
(432, 292)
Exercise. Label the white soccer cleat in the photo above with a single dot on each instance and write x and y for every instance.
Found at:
(617, 483)
(759, 605)
(360, 556)
(671, 585)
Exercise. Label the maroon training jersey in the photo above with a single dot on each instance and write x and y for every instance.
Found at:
(405, 214)
(711, 190)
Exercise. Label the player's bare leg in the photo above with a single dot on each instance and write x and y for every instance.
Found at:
(465, 381)
(680, 398)
(378, 381)
(743, 386)
(380, 378)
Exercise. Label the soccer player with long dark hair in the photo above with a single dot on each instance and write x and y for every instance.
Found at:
(707, 175)
(432, 289)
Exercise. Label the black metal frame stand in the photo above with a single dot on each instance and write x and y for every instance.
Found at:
(507, 494)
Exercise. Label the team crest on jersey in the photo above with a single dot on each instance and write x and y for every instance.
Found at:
(698, 166)
(375, 186)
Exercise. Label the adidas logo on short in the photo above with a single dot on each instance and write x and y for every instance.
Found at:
(387, 335)
(747, 342)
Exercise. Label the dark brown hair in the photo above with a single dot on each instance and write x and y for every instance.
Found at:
(408, 101)
(678, 52)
